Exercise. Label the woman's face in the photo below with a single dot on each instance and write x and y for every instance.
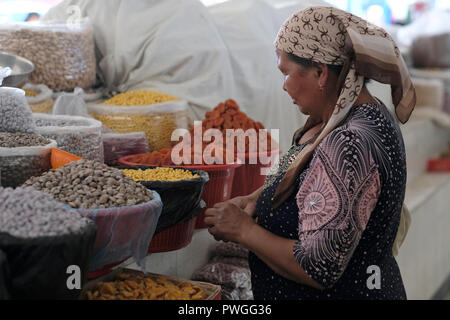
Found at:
(301, 84)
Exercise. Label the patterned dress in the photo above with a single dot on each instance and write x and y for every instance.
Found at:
(344, 215)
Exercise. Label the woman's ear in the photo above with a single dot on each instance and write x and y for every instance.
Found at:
(322, 74)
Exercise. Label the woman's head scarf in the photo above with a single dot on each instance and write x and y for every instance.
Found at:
(335, 37)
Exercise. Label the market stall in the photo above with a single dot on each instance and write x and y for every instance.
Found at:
(118, 145)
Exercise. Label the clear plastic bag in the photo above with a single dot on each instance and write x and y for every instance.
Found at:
(42, 102)
(224, 274)
(63, 54)
(19, 164)
(77, 135)
(158, 121)
(117, 145)
(71, 104)
(123, 232)
(16, 115)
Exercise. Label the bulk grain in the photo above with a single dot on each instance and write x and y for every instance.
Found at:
(91, 185)
(22, 156)
(16, 115)
(154, 113)
(29, 213)
(63, 55)
(77, 135)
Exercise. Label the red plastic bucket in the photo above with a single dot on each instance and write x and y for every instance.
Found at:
(218, 189)
(173, 238)
(103, 271)
(248, 177)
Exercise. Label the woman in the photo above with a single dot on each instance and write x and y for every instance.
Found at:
(327, 218)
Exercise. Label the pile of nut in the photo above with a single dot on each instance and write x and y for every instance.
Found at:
(19, 139)
(64, 59)
(16, 169)
(79, 137)
(16, 115)
(91, 185)
(28, 213)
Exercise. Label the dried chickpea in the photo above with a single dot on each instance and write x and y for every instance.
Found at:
(139, 98)
(164, 174)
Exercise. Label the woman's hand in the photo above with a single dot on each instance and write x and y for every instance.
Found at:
(245, 203)
(227, 221)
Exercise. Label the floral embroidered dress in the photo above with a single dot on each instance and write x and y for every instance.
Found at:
(344, 215)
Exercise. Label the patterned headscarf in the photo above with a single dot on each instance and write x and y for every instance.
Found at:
(335, 37)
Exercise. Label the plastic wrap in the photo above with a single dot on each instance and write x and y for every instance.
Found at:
(235, 280)
(235, 261)
(42, 102)
(16, 115)
(123, 232)
(117, 145)
(77, 135)
(38, 266)
(231, 249)
(181, 198)
(19, 164)
(63, 53)
(70, 104)
(158, 121)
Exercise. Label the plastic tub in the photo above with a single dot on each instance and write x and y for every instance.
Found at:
(248, 177)
(173, 238)
(181, 199)
(217, 190)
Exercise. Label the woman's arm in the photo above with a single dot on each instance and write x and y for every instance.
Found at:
(228, 222)
(277, 253)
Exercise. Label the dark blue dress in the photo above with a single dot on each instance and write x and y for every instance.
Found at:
(344, 215)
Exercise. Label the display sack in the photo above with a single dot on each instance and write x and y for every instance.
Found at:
(70, 104)
(88, 95)
(77, 135)
(181, 199)
(19, 164)
(123, 232)
(16, 115)
(40, 267)
(63, 53)
(42, 102)
(5, 277)
(117, 145)
(158, 120)
(431, 51)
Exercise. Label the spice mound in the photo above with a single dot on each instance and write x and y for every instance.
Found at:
(91, 185)
(160, 174)
(140, 287)
(28, 213)
(19, 139)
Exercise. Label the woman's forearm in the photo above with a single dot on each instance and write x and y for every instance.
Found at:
(277, 253)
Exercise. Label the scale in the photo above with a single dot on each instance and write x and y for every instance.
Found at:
(20, 69)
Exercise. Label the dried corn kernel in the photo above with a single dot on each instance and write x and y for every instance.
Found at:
(164, 174)
(139, 98)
